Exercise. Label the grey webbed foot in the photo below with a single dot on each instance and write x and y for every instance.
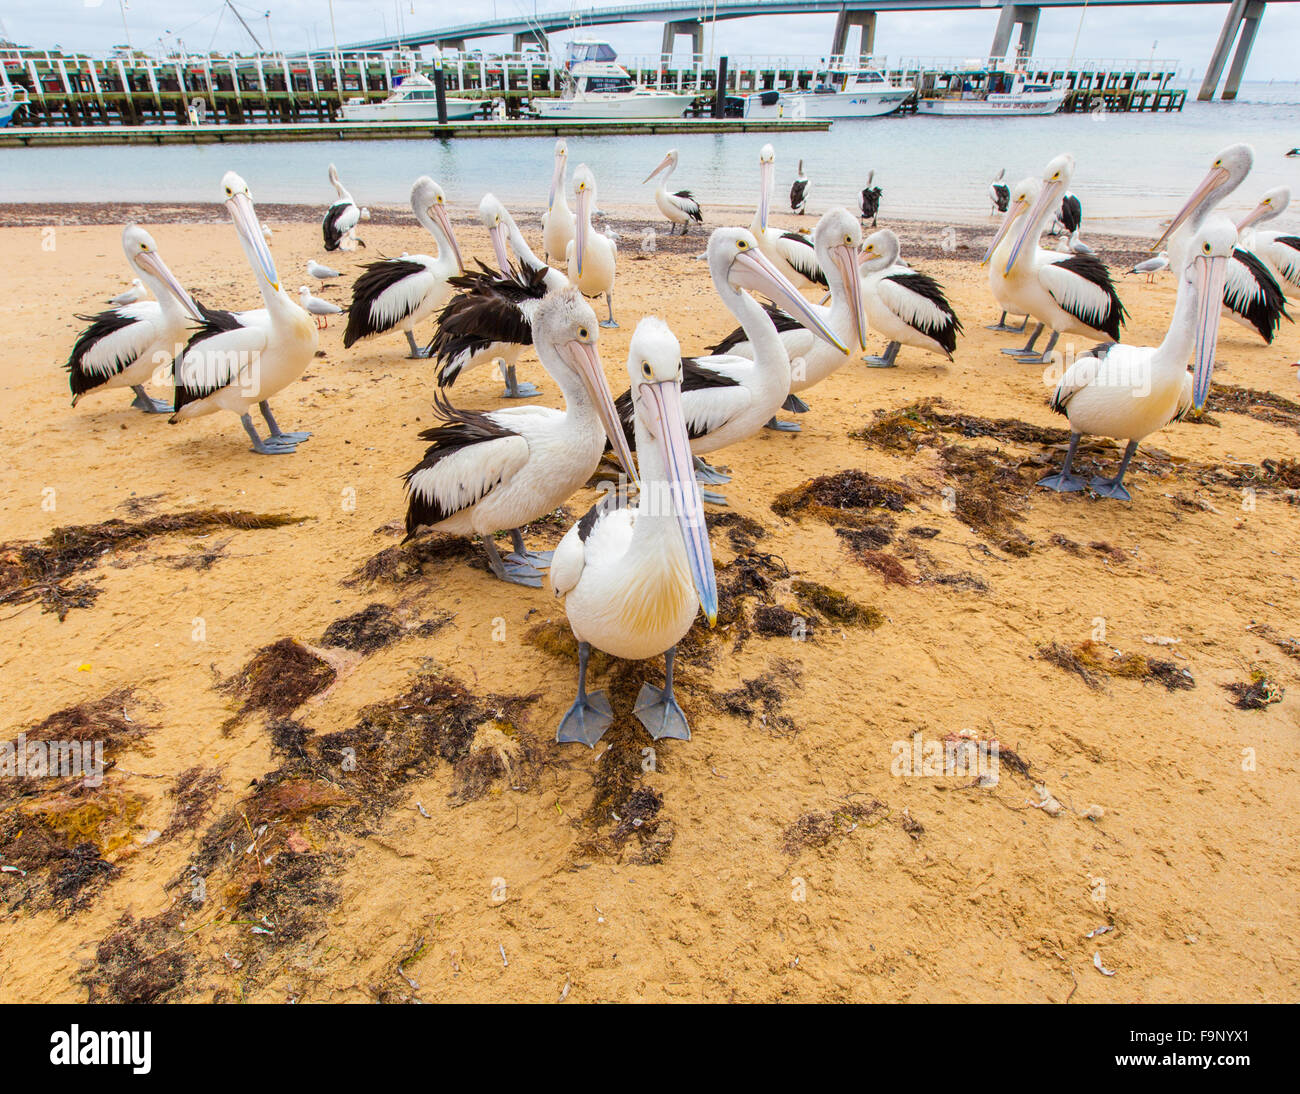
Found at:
(144, 401)
(782, 427)
(660, 714)
(1062, 483)
(708, 474)
(514, 570)
(713, 497)
(540, 560)
(514, 389)
(1110, 488)
(609, 324)
(586, 721)
(880, 362)
(795, 405)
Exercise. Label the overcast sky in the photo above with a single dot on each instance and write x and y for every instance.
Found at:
(1185, 34)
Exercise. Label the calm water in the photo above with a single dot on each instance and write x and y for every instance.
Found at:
(1132, 168)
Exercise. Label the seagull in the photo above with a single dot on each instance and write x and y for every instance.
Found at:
(321, 273)
(132, 295)
(318, 308)
(1152, 266)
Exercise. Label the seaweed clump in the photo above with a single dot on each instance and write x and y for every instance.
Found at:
(1260, 691)
(139, 961)
(278, 679)
(848, 499)
(1092, 662)
(375, 627)
(764, 697)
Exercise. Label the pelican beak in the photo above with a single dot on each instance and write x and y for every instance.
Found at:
(1262, 210)
(584, 359)
(752, 270)
(498, 234)
(766, 183)
(152, 263)
(1210, 274)
(444, 222)
(660, 406)
(580, 236)
(240, 207)
(847, 263)
(1217, 177)
(1013, 210)
(1047, 199)
(664, 163)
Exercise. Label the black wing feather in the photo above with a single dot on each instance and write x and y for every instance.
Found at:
(330, 225)
(1091, 268)
(215, 321)
(489, 309)
(926, 286)
(695, 376)
(783, 321)
(378, 277)
(101, 326)
(870, 202)
(1265, 311)
(1071, 213)
(1001, 196)
(693, 209)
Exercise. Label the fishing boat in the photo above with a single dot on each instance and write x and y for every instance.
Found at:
(844, 93)
(12, 99)
(980, 94)
(415, 99)
(595, 85)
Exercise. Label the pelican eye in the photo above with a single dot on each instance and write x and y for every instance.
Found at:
(741, 244)
(848, 239)
(1207, 248)
(646, 370)
(582, 332)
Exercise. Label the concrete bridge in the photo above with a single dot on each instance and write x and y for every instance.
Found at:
(683, 19)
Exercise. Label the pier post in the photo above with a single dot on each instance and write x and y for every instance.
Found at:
(720, 92)
(845, 21)
(1023, 15)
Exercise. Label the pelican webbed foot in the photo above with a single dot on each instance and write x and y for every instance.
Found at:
(144, 401)
(1063, 482)
(517, 571)
(782, 427)
(276, 432)
(888, 359)
(1115, 488)
(657, 709)
(540, 560)
(589, 717)
(514, 389)
(417, 353)
(795, 405)
(1027, 350)
(708, 474)
(609, 303)
(272, 446)
(712, 497)
(1002, 325)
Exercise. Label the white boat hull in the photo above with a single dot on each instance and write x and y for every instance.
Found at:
(458, 110)
(995, 106)
(833, 104)
(615, 107)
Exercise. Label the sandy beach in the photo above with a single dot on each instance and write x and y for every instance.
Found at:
(331, 770)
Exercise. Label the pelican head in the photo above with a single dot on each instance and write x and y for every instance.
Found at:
(557, 173)
(1001, 173)
(879, 251)
(239, 204)
(142, 254)
(1273, 204)
(836, 239)
(1023, 195)
(584, 192)
(1205, 273)
(565, 323)
(430, 208)
(766, 182)
(1225, 174)
(736, 264)
(669, 162)
(1056, 177)
(496, 219)
(654, 366)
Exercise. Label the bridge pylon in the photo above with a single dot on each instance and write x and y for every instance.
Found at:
(845, 21)
(1023, 15)
(692, 27)
(1243, 15)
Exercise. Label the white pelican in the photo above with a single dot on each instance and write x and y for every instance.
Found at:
(490, 317)
(633, 579)
(812, 358)
(870, 199)
(1250, 297)
(557, 221)
(1152, 266)
(401, 292)
(1070, 219)
(132, 295)
(590, 256)
(1128, 392)
(124, 346)
(320, 272)
(341, 218)
(728, 398)
(234, 362)
(681, 207)
(314, 306)
(1279, 251)
(1071, 294)
(485, 473)
(799, 192)
(999, 192)
(790, 252)
(906, 307)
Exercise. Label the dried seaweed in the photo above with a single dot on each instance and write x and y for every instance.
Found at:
(1260, 691)
(278, 679)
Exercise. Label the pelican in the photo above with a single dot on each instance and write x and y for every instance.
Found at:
(234, 362)
(1019, 199)
(590, 256)
(490, 318)
(812, 358)
(314, 306)
(790, 252)
(1070, 218)
(1250, 297)
(1129, 392)
(728, 398)
(401, 292)
(320, 272)
(124, 346)
(907, 307)
(1278, 251)
(484, 473)
(870, 199)
(1152, 266)
(799, 192)
(633, 579)
(999, 192)
(341, 218)
(1071, 294)
(557, 221)
(132, 295)
(681, 207)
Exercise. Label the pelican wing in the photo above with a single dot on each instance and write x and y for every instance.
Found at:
(798, 193)
(709, 395)
(1071, 214)
(387, 293)
(871, 202)
(1001, 194)
(780, 319)
(1284, 253)
(919, 301)
(570, 557)
(221, 353)
(685, 201)
(1081, 285)
(113, 342)
(491, 308)
(1080, 374)
(340, 218)
(798, 250)
(1253, 295)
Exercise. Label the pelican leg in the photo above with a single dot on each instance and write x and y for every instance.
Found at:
(515, 571)
(609, 301)
(1028, 349)
(144, 401)
(1001, 325)
(514, 389)
(708, 475)
(1045, 358)
(657, 710)
(539, 559)
(1115, 488)
(712, 497)
(1063, 482)
(888, 360)
(272, 446)
(416, 354)
(590, 715)
(783, 427)
(276, 432)
(795, 405)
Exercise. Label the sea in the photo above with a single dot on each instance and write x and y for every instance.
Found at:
(1132, 170)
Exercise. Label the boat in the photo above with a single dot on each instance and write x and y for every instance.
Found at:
(979, 94)
(595, 85)
(414, 99)
(845, 93)
(12, 100)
